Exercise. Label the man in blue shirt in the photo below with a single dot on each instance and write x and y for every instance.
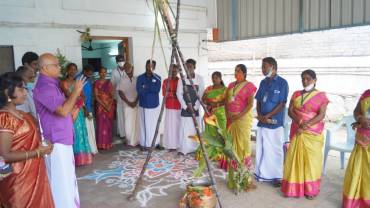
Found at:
(148, 86)
(88, 110)
(271, 99)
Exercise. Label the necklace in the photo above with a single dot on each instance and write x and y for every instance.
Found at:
(235, 88)
(303, 98)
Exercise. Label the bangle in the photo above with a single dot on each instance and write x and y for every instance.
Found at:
(26, 155)
(38, 153)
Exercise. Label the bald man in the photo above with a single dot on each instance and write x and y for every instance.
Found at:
(54, 111)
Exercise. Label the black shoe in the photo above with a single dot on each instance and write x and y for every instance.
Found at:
(310, 197)
(276, 183)
(159, 147)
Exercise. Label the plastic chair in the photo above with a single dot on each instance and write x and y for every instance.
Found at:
(287, 124)
(342, 147)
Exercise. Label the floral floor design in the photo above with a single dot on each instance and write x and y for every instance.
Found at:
(165, 170)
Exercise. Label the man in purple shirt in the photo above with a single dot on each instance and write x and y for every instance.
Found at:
(54, 111)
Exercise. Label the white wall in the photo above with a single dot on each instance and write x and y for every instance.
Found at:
(340, 57)
(43, 26)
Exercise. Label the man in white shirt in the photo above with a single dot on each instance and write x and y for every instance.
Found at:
(187, 128)
(128, 94)
(117, 75)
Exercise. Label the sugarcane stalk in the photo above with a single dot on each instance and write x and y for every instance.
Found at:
(139, 180)
(176, 54)
(173, 35)
(150, 151)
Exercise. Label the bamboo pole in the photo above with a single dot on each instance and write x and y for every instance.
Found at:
(150, 151)
(139, 180)
(180, 59)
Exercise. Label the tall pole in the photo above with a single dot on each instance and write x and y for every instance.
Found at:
(150, 151)
(178, 56)
(180, 59)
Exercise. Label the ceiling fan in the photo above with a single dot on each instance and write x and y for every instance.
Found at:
(90, 48)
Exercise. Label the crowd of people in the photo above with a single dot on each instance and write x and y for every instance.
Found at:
(50, 125)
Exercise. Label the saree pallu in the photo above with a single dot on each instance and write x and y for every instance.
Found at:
(104, 117)
(28, 185)
(303, 162)
(356, 188)
(216, 96)
(81, 145)
(237, 97)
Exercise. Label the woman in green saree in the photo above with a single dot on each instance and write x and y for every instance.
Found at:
(214, 99)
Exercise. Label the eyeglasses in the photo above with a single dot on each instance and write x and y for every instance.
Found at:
(55, 65)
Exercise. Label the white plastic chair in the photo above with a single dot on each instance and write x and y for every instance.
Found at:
(342, 147)
(287, 124)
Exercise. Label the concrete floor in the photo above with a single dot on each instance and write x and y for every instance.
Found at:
(107, 194)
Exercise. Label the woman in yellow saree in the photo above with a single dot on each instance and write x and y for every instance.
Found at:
(239, 103)
(303, 162)
(356, 189)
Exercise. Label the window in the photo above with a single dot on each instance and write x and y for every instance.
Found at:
(6, 59)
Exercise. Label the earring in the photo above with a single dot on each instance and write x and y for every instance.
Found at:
(9, 100)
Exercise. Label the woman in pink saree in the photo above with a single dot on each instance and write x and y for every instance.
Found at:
(303, 163)
(239, 104)
(103, 90)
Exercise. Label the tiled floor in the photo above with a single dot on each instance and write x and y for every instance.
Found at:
(108, 195)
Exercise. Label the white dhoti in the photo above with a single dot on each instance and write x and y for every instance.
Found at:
(171, 129)
(120, 119)
(148, 118)
(91, 134)
(60, 166)
(132, 125)
(187, 129)
(269, 154)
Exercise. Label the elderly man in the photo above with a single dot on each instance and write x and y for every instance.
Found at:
(128, 94)
(54, 111)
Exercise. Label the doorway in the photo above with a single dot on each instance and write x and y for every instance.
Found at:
(102, 51)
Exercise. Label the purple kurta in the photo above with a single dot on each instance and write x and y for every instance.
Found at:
(48, 97)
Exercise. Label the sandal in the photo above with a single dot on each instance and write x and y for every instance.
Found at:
(310, 197)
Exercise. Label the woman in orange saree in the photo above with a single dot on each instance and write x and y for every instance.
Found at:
(356, 189)
(103, 90)
(28, 185)
(303, 162)
(239, 103)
